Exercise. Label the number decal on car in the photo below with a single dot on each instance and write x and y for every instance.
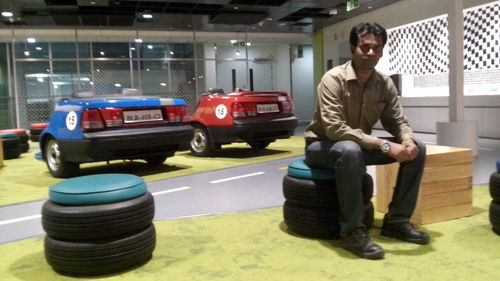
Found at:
(221, 111)
(71, 120)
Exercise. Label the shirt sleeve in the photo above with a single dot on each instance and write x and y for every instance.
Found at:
(332, 115)
(393, 119)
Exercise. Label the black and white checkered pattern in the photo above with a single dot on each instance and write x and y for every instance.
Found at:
(482, 37)
(420, 48)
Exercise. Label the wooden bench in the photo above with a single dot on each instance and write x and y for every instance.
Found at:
(445, 190)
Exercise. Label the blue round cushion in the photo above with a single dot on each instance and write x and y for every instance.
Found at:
(9, 136)
(299, 169)
(97, 189)
(498, 166)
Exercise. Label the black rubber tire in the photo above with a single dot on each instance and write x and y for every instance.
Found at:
(495, 187)
(58, 167)
(11, 143)
(495, 215)
(257, 145)
(12, 153)
(101, 257)
(97, 222)
(25, 147)
(319, 193)
(319, 222)
(201, 145)
(34, 134)
(156, 160)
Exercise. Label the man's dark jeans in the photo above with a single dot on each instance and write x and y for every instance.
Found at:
(349, 162)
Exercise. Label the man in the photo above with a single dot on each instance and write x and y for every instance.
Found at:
(350, 99)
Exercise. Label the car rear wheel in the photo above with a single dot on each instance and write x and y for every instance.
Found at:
(201, 144)
(156, 160)
(58, 168)
(259, 144)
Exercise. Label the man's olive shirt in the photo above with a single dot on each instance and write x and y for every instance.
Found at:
(348, 110)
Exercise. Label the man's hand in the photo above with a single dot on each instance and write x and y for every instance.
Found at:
(412, 148)
(399, 152)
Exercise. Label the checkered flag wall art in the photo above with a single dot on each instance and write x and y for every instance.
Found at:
(482, 38)
(420, 48)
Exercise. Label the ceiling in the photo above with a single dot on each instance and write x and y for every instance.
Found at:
(302, 16)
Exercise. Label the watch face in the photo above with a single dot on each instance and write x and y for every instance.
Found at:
(386, 147)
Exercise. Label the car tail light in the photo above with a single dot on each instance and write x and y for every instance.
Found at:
(91, 120)
(177, 114)
(286, 105)
(112, 117)
(242, 110)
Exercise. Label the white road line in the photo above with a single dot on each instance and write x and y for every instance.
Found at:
(170, 190)
(33, 217)
(238, 177)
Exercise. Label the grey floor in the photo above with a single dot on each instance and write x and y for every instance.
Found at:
(250, 187)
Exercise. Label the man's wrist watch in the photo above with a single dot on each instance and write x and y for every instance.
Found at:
(385, 147)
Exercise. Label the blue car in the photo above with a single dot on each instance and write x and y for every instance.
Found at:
(89, 128)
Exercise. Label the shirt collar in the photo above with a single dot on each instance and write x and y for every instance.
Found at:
(351, 74)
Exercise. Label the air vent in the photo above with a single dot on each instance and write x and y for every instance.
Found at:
(245, 18)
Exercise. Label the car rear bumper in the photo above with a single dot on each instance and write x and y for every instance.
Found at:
(126, 144)
(254, 130)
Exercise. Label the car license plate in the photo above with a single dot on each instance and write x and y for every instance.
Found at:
(136, 116)
(267, 108)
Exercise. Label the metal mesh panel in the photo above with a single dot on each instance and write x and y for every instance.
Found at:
(6, 111)
(64, 79)
(111, 75)
(33, 86)
(173, 79)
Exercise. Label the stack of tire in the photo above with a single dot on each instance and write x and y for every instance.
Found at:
(495, 203)
(36, 129)
(11, 145)
(23, 138)
(98, 225)
(311, 206)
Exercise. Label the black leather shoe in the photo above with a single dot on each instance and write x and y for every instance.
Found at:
(405, 231)
(360, 244)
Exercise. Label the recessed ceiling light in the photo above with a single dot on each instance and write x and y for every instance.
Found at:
(7, 14)
(147, 16)
(38, 48)
(31, 40)
(150, 47)
(27, 53)
(138, 40)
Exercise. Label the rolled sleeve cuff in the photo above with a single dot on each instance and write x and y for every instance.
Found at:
(369, 142)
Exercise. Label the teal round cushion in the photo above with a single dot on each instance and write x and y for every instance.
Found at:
(97, 189)
(299, 169)
(9, 136)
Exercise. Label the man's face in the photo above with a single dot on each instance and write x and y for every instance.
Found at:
(368, 51)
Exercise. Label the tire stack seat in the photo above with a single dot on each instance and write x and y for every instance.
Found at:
(36, 129)
(311, 205)
(494, 212)
(11, 145)
(23, 138)
(98, 225)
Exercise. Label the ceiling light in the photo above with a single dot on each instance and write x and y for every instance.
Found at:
(133, 48)
(138, 40)
(27, 53)
(236, 7)
(333, 12)
(31, 40)
(92, 3)
(7, 14)
(150, 47)
(249, 44)
(238, 52)
(369, 7)
(38, 48)
(163, 84)
(233, 41)
(118, 85)
(147, 16)
(171, 52)
(101, 53)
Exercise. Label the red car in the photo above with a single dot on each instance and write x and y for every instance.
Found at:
(257, 118)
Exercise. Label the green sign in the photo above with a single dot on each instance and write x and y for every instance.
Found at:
(352, 4)
(239, 44)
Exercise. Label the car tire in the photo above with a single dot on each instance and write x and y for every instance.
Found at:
(97, 222)
(58, 168)
(257, 145)
(156, 160)
(100, 257)
(12, 153)
(201, 145)
(320, 223)
(495, 187)
(319, 193)
(494, 215)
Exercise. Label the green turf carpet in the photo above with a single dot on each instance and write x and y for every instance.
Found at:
(27, 179)
(255, 245)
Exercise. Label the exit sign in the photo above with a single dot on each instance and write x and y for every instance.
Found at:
(352, 4)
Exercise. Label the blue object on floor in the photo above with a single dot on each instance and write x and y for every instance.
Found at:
(299, 169)
(97, 189)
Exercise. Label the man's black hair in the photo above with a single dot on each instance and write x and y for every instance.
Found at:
(373, 28)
